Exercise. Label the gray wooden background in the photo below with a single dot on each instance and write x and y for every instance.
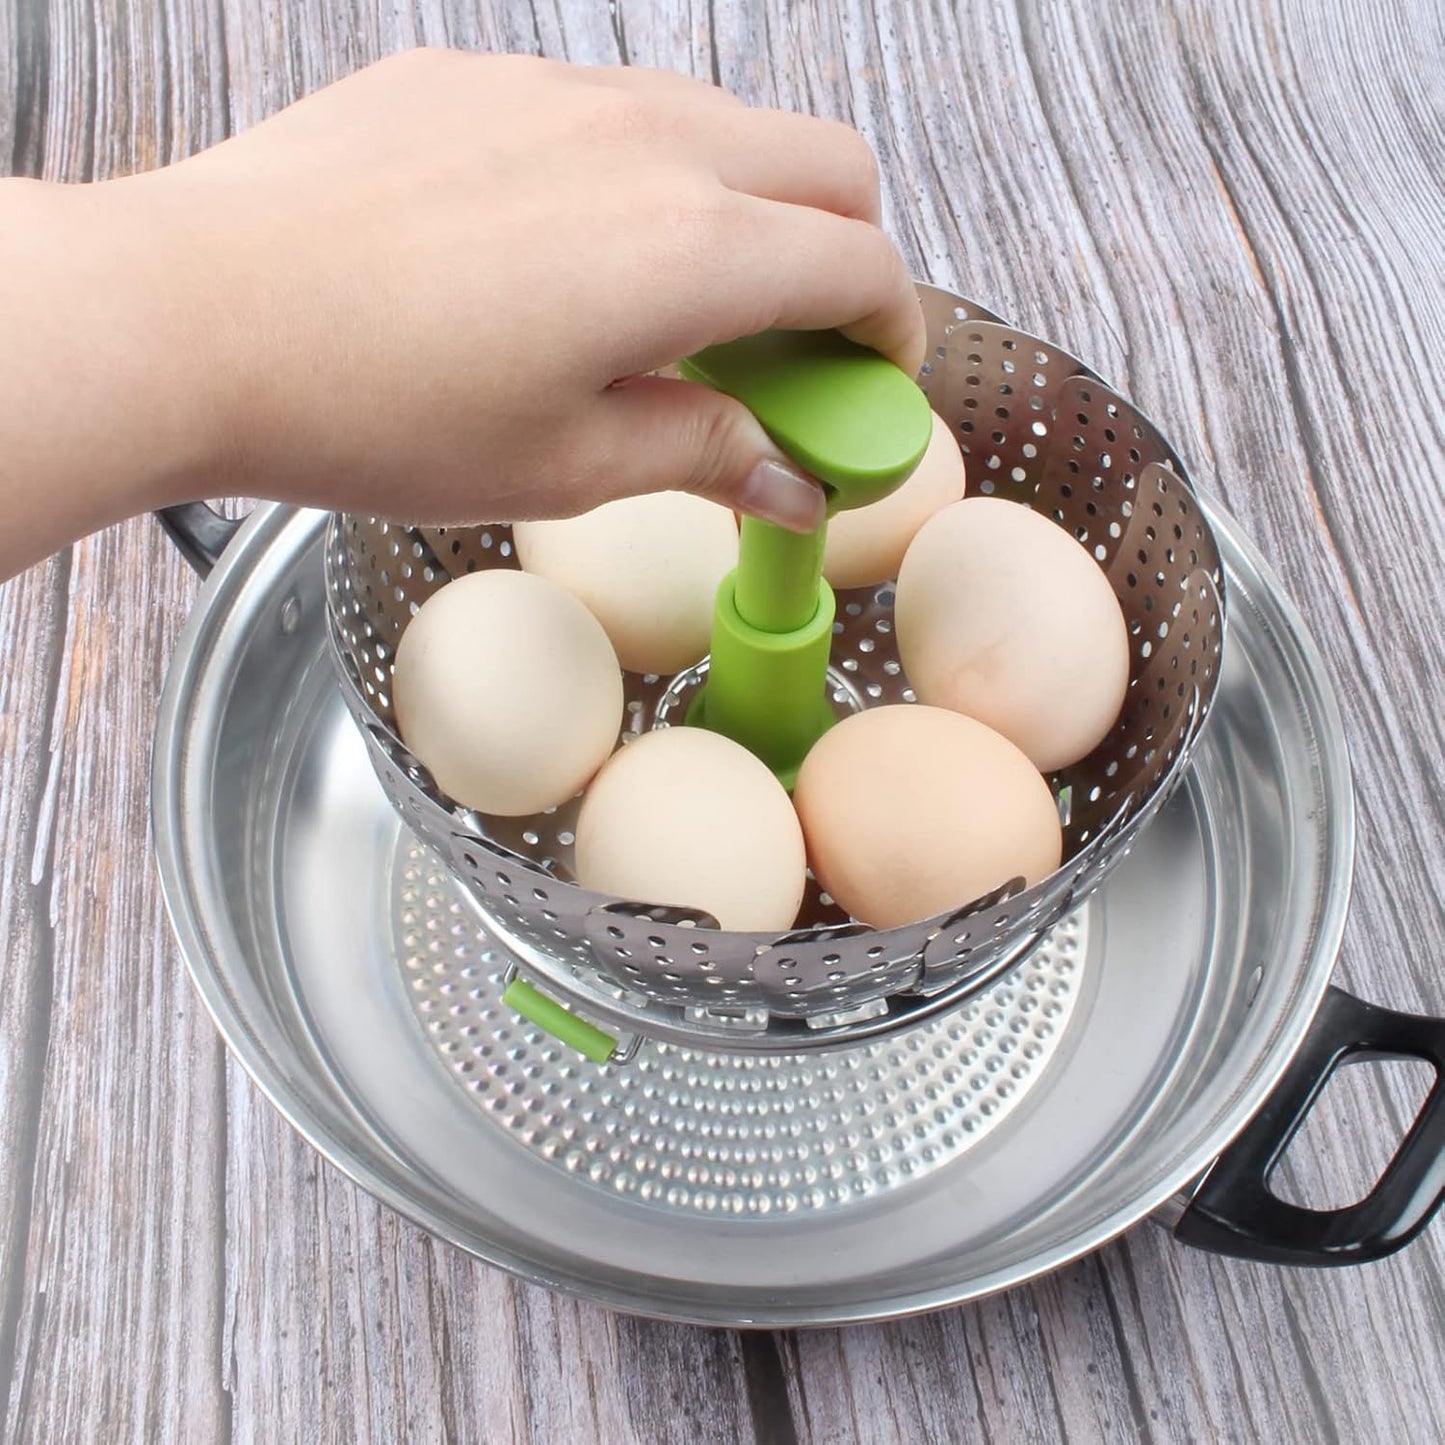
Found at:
(1232, 209)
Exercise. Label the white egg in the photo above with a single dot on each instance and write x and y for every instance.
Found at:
(1002, 615)
(691, 819)
(648, 569)
(914, 811)
(508, 690)
(866, 546)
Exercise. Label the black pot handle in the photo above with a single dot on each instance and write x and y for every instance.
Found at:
(199, 531)
(1234, 1212)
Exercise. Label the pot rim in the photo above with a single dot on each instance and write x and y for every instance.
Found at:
(265, 537)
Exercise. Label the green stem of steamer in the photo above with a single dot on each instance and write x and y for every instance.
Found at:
(860, 426)
(778, 575)
(768, 690)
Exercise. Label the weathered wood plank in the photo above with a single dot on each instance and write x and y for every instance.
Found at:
(1235, 210)
(32, 635)
(129, 1108)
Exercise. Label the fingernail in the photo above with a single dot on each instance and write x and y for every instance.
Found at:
(777, 493)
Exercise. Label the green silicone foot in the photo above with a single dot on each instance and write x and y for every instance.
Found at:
(561, 1023)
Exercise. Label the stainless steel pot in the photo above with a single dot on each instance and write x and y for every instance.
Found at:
(1153, 1056)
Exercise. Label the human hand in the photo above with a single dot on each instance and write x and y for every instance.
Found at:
(416, 292)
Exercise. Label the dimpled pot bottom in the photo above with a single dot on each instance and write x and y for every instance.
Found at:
(737, 1135)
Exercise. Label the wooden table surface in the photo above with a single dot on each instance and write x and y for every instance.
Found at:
(1235, 211)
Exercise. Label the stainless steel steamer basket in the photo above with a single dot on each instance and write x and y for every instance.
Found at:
(1036, 426)
(1171, 1033)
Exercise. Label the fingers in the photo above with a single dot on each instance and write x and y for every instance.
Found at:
(777, 155)
(823, 270)
(804, 248)
(896, 329)
(767, 263)
(799, 159)
(664, 435)
(807, 269)
(749, 218)
(647, 80)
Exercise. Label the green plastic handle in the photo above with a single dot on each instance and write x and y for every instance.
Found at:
(768, 690)
(561, 1023)
(845, 414)
(778, 575)
(857, 424)
(860, 426)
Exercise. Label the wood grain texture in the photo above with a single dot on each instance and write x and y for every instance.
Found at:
(1235, 210)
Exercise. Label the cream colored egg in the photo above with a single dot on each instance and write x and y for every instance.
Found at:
(1002, 615)
(647, 568)
(691, 819)
(508, 690)
(912, 811)
(866, 546)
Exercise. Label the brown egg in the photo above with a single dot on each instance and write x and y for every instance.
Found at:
(1002, 615)
(865, 546)
(909, 811)
(647, 568)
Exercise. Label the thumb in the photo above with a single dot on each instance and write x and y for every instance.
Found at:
(686, 437)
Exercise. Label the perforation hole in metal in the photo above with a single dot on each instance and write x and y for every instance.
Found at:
(1001, 388)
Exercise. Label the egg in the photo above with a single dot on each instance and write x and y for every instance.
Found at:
(910, 811)
(508, 690)
(1002, 615)
(865, 547)
(691, 819)
(648, 569)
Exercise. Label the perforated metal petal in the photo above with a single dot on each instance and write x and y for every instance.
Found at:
(461, 550)
(1002, 391)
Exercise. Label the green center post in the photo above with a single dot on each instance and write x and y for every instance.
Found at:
(860, 425)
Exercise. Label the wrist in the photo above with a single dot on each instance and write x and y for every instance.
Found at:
(158, 269)
(113, 405)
